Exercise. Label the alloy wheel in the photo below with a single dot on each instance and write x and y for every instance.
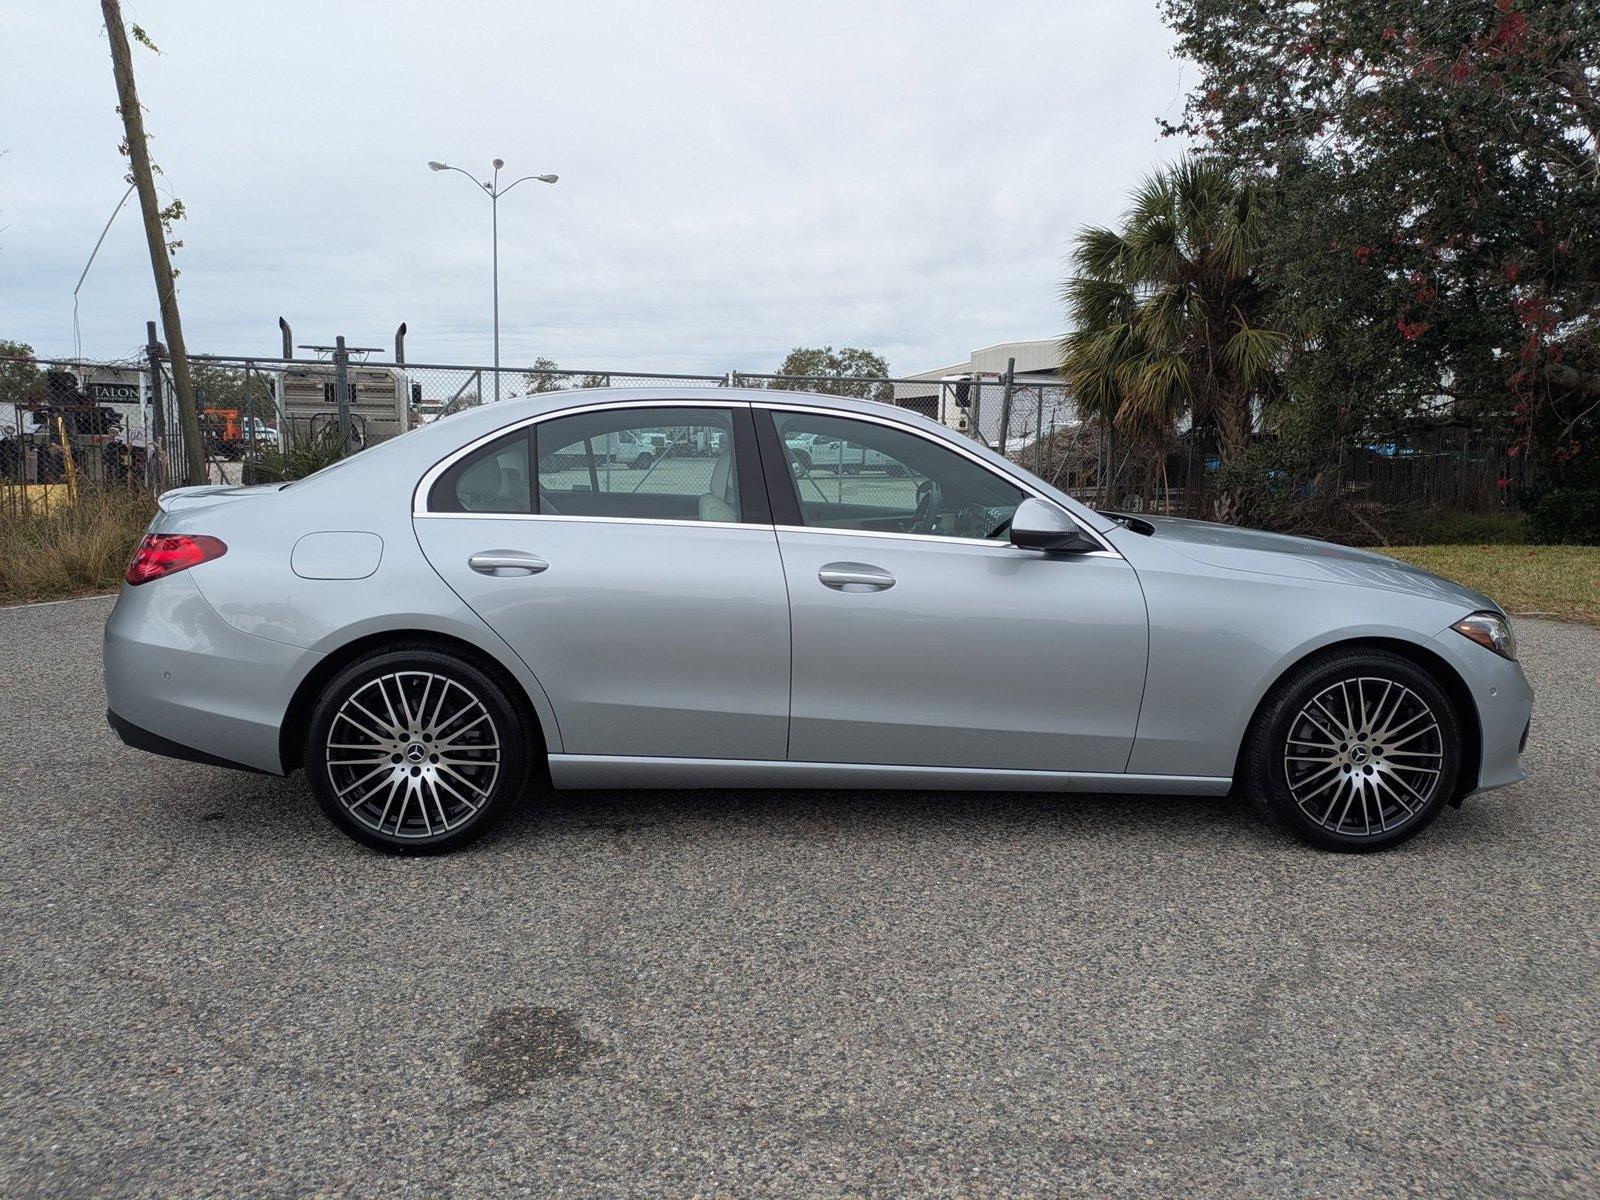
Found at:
(412, 754)
(1364, 756)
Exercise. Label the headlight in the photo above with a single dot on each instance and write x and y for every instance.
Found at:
(1491, 631)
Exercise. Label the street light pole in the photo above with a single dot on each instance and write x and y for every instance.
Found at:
(494, 254)
(491, 188)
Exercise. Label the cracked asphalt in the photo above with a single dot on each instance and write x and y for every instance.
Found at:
(207, 991)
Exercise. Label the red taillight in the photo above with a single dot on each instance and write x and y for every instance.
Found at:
(164, 553)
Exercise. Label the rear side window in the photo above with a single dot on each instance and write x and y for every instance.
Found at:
(495, 479)
(649, 464)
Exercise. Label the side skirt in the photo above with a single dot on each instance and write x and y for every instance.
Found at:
(618, 771)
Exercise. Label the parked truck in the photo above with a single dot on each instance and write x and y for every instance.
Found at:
(307, 399)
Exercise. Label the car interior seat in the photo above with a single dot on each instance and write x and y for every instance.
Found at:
(720, 502)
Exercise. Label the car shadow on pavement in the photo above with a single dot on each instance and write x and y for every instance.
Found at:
(274, 807)
(871, 814)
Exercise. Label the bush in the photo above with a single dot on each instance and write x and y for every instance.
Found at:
(71, 551)
(299, 457)
(1446, 527)
(1566, 515)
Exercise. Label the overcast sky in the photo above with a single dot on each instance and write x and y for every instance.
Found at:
(736, 178)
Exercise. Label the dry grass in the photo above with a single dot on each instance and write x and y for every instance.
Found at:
(72, 551)
(1550, 581)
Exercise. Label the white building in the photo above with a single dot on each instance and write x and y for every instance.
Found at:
(969, 396)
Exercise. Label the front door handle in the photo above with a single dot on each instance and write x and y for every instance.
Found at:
(504, 564)
(855, 577)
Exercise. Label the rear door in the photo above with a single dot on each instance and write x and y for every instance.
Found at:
(649, 600)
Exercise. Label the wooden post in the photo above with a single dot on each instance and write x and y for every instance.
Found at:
(160, 261)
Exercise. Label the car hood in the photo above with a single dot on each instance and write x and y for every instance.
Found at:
(1254, 550)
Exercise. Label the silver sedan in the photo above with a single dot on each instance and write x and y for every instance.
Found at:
(498, 603)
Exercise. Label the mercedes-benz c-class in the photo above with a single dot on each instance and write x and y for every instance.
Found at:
(498, 603)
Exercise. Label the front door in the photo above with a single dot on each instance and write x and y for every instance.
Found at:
(647, 595)
(921, 637)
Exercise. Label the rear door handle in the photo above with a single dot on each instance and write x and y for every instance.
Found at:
(505, 564)
(855, 577)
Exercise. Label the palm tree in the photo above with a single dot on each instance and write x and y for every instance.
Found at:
(1169, 316)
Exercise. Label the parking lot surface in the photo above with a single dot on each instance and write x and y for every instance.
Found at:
(208, 991)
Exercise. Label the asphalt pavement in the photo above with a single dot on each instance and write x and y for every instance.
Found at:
(207, 991)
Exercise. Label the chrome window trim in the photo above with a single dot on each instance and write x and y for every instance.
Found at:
(945, 539)
(672, 521)
(1106, 548)
(419, 494)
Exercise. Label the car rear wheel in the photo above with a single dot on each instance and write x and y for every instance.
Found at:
(1356, 750)
(413, 750)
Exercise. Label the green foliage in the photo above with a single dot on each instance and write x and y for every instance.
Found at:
(1569, 515)
(298, 456)
(835, 372)
(20, 377)
(1170, 320)
(535, 383)
(1445, 527)
(1433, 174)
(229, 387)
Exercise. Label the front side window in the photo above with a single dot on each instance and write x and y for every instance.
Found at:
(648, 464)
(860, 475)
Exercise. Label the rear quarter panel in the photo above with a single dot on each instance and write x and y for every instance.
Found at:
(254, 589)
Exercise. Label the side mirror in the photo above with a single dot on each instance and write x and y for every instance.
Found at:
(1040, 526)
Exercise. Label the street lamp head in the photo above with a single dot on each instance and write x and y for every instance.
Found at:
(547, 178)
(498, 163)
(437, 166)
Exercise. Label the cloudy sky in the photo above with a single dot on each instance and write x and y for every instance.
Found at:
(736, 177)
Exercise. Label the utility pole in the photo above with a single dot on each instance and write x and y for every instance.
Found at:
(160, 261)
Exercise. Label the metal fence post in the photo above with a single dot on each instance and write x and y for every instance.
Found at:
(1005, 404)
(341, 390)
(155, 451)
(249, 410)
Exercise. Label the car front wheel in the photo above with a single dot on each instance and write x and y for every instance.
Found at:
(1355, 750)
(414, 750)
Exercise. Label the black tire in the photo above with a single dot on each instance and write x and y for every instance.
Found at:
(642, 463)
(468, 797)
(802, 460)
(1400, 778)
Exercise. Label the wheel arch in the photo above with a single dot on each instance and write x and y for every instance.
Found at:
(1438, 669)
(292, 732)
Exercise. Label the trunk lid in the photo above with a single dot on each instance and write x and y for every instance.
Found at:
(187, 499)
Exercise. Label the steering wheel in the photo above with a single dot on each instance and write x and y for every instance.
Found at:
(926, 516)
(973, 520)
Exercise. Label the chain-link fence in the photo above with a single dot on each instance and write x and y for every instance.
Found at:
(67, 425)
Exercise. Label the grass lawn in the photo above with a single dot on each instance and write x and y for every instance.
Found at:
(1546, 581)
